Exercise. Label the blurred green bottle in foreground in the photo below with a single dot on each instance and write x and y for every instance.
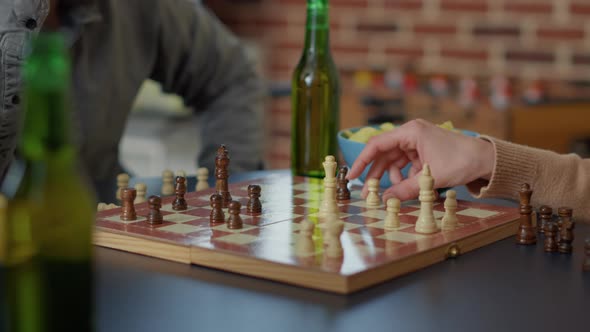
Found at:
(46, 234)
(315, 97)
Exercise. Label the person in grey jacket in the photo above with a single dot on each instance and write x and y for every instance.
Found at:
(116, 45)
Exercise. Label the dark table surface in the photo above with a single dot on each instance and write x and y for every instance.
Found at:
(500, 287)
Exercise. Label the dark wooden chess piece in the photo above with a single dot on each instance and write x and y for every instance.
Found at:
(526, 231)
(180, 190)
(217, 216)
(222, 175)
(586, 263)
(234, 221)
(155, 217)
(128, 209)
(545, 213)
(254, 205)
(551, 230)
(342, 193)
(566, 232)
(565, 213)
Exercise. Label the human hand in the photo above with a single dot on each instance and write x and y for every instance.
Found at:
(454, 159)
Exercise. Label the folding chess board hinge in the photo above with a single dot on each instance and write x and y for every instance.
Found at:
(453, 251)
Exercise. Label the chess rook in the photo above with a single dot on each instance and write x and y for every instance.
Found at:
(254, 205)
(202, 176)
(329, 204)
(217, 216)
(180, 190)
(546, 213)
(235, 220)
(128, 209)
(426, 223)
(222, 175)
(154, 216)
(526, 232)
(342, 193)
(551, 229)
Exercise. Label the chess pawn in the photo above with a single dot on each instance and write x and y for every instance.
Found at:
(254, 205)
(217, 216)
(550, 232)
(154, 216)
(392, 218)
(128, 210)
(586, 263)
(426, 223)
(342, 193)
(101, 206)
(334, 230)
(566, 236)
(450, 220)
(122, 182)
(305, 245)
(180, 189)
(141, 189)
(181, 173)
(545, 213)
(234, 221)
(373, 199)
(526, 232)
(167, 182)
(202, 176)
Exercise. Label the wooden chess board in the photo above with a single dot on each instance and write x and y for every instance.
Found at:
(265, 246)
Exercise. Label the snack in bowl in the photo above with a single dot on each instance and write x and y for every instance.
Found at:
(352, 141)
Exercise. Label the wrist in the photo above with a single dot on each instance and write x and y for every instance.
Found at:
(487, 159)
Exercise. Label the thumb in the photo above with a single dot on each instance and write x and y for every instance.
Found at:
(408, 189)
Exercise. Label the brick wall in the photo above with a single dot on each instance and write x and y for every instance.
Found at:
(529, 39)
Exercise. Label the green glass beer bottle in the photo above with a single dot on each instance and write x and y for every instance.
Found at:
(47, 248)
(315, 97)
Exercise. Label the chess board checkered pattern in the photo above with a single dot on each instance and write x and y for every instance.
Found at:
(272, 235)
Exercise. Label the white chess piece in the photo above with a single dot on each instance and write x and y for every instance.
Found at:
(181, 173)
(334, 231)
(202, 175)
(373, 199)
(450, 220)
(167, 182)
(122, 182)
(141, 190)
(392, 218)
(426, 223)
(305, 245)
(329, 204)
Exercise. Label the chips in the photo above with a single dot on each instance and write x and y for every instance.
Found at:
(365, 133)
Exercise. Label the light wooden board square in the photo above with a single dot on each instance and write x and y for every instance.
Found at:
(374, 213)
(223, 227)
(381, 224)
(180, 228)
(238, 238)
(477, 213)
(437, 214)
(402, 237)
(179, 217)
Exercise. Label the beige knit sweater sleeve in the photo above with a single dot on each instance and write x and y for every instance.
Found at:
(556, 179)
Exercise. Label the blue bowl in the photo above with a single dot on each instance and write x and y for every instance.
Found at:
(351, 150)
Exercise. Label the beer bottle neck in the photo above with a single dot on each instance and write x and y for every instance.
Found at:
(46, 126)
(317, 32)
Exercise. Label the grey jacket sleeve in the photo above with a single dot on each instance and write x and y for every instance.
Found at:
(200, 60)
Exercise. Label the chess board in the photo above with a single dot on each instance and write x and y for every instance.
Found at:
(265, 246)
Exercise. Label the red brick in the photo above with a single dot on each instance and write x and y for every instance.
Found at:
(560, 33)
(350, 49)
(434, 29)
(580, 8)
(268, 22)
(333, 3)
(403, 4)
(480, 55)
(405, 51)
(530, 56)
(529, 7)
(464, 5)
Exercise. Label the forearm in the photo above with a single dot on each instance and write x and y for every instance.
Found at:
(557, 180)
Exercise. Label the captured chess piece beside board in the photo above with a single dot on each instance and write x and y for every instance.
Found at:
(315, 233)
